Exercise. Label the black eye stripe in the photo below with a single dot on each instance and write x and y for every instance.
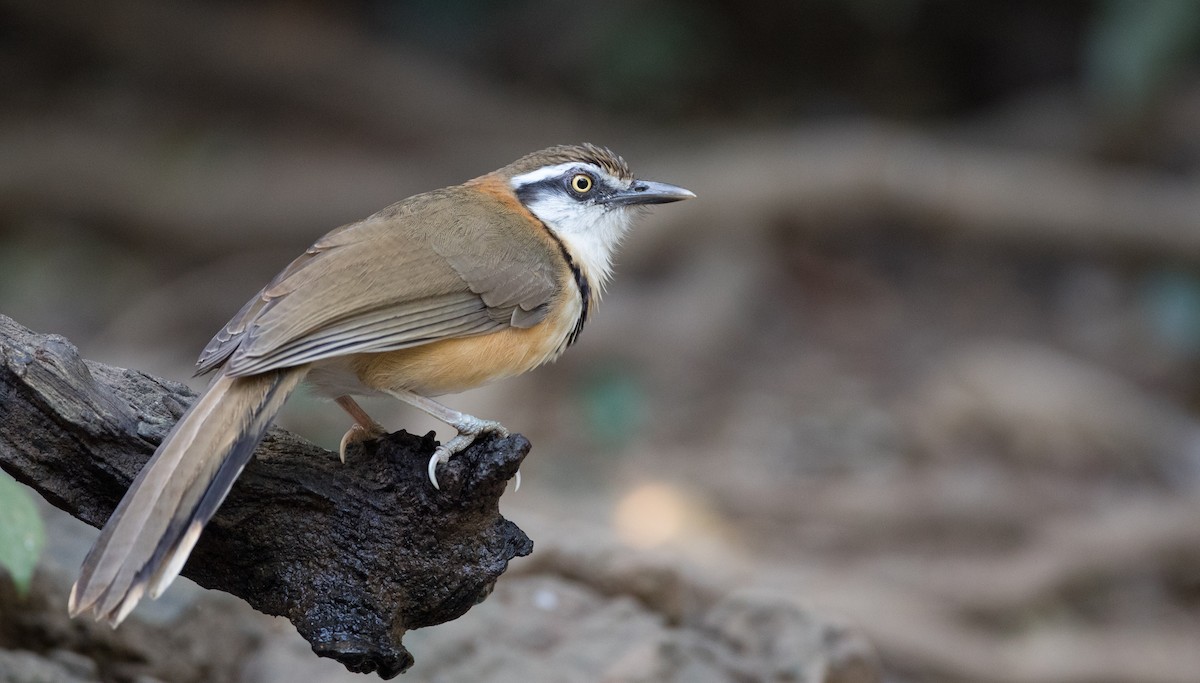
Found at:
(562, 185)
(531, 191)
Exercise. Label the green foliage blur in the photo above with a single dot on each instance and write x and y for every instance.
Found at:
(1135, 51)
(21, 534)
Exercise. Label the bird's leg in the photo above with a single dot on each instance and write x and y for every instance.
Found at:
(364, 428)
(468, 427)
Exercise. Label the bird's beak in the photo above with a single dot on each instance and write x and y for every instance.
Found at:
(648, 192)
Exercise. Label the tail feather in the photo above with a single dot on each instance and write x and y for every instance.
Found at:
(153, 530)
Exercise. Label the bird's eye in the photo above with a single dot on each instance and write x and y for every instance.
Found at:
(581, 183)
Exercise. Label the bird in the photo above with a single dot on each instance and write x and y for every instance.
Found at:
(438, 293)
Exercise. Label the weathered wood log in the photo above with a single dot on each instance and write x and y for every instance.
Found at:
(354, 554)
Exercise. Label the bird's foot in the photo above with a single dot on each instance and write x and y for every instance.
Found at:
(468, 428)
(357, 434)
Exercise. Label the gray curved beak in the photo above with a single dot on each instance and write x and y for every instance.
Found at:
(648, 192)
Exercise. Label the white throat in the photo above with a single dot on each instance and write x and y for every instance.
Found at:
(590, 230)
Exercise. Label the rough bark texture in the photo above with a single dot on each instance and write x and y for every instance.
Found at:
(354, 555)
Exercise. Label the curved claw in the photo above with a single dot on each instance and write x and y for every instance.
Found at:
(441, 455)
(356, 434)
(517, 482)
(467, 431)
(433, 469)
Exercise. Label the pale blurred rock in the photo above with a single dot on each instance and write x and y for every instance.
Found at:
(26, 667)
(284, 657)
(759, 637)
(584, 636)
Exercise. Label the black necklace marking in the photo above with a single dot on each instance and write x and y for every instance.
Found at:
(581, 281)
(585, 293)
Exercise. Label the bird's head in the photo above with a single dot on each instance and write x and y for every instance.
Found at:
(588, 196)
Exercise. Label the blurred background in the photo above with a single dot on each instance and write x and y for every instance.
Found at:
(909, 393)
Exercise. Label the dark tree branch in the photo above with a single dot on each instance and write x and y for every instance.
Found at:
(354, 555)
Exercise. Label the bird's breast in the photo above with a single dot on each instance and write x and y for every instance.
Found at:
(452, 365)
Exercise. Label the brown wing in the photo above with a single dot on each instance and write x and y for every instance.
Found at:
(444, 264)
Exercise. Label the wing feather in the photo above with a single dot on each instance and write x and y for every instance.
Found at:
(414, 273)
(385, 330)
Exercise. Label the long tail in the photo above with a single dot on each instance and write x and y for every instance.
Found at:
(148, 538)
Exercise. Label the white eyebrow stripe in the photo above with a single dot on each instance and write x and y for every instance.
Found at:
(549, 172)
(541, 174)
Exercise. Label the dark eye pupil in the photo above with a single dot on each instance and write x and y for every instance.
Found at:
(582, 183)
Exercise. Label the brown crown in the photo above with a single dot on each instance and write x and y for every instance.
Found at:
(564, 154)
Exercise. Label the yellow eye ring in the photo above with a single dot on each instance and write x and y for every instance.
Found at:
(581, 183)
